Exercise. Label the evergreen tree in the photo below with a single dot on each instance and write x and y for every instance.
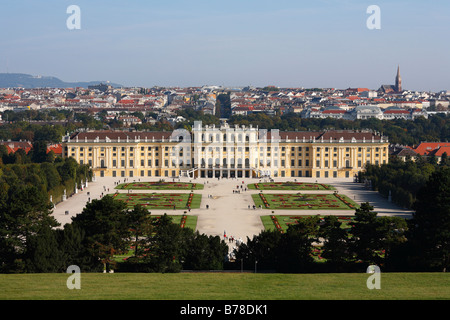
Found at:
(166, 251)
(24, 214)
(204, 252)
(431, 222)
(44, 253)
(335, 243)
(262, 248)
(140, 224)
(105, 227)
(296, 245)
(366, 235)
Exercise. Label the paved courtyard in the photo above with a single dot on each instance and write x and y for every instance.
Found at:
(229, 211)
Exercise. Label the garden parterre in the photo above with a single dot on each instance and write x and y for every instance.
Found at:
(166, 201)
(298, 201)
(160, 185)
(289, 185)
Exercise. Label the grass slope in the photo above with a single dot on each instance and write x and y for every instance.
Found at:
(228, 286)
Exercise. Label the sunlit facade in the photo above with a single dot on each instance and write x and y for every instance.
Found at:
(227, 152)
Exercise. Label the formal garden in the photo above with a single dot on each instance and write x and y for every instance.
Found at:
(299, 201)
(160, 185)
(289, 185)
(161, 201)
(282, 222)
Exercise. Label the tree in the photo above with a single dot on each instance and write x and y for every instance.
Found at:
(335, 242)
(296, 246)
(39, 152)
(444, 160)
(44, 254)
(204, 252)
(51, 175)
(72, 242)
(431, 222)
(262, 248)
(393, 231)
(105, 226)
(140, 224)
(166, 250)
(366, 237)
(24, 214)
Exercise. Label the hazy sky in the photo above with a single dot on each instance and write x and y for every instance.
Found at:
(287, 43)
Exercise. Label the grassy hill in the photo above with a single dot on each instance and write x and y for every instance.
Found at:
(225, 286)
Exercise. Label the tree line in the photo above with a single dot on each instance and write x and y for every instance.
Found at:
(32, 241)
(421, 243)
(25, 206)
(402, 180)
(399, 131)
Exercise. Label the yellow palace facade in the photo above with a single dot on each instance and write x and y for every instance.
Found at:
(227, 152)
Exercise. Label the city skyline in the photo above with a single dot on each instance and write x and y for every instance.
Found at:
(253, 43)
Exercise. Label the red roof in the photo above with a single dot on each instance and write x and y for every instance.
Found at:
(426, 148)
(56, 148)
(442, 150)
(334, 111)
(126, 101)
(13, 146)
(396, 111)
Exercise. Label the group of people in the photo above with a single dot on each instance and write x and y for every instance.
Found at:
(231, 239)
(240, 188)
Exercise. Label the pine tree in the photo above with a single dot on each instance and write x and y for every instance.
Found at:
(431, 222)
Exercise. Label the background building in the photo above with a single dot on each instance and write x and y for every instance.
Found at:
(227, 152)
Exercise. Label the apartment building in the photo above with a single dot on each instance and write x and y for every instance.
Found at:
(227, 152)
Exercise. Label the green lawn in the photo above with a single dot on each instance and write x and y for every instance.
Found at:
(285, 220)
(160, 185)
(160, 201)
(299, 201)
(289, 185)
(191, 221)
(227, 286)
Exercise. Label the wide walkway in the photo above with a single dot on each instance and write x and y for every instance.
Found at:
(229, 211)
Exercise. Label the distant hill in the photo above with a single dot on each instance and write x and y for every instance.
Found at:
(14, 80)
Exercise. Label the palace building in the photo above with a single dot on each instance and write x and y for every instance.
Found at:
(225, 151)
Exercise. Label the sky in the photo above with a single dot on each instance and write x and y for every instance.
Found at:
(285, 43)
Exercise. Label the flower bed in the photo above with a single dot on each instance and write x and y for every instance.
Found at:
(183, 221)
(290, 186)
(266, 204)
(276, 223)
(160, 185)
(160, 200)
(304, 201)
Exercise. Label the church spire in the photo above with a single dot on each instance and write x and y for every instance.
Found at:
(398, 81)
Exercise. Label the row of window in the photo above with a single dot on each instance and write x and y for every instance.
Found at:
(131, 149)
(267, 163)
(130, 174)
(173, 173)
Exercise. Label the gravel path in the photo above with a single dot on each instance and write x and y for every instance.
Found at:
(229, 211)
